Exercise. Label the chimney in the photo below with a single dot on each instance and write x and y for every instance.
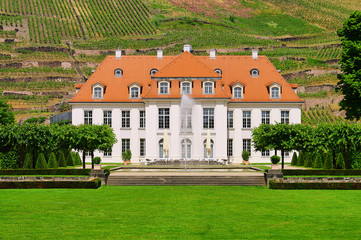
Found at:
(118, 54)
(212, 54)
(160, 54)
(187, 48)
(254, 53)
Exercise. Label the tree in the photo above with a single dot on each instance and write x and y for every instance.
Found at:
(350, 79)
(6, 114)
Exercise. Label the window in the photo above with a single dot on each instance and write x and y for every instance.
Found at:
(237, 92)
(107, 153)
(88, 154)
(125, 119)
(266, 117)
(285, 117)
(186, 121)
(98, 92)
(265, 153)
(206, 151)
(163, 88)
(208, 88)
(118, 72)
(186, 88)
(230, 147)
(107, 118)
(246, 119)
(88, 117)
(208, 118)
(287, 154)
(134, 92)
(186, 148)
(275, 92)
(230, 119)
(125, 144)
(247, 145)
(219, 71)
(153, 71)
(142, 147)
(162, 154)
(254, 72)
(142, 119)
(163, 118)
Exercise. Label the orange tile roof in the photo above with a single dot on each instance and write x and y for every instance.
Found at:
(198, 68)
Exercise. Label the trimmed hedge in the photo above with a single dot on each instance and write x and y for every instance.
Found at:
(335, 172)
(45, 172)
(315, 185)
(95, 183)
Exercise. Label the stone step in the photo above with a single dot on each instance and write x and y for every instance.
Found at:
(187, 180)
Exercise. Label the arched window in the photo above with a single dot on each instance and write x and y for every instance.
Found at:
(219, 71)
(237, 92)
(134, 92)
(162, 154)
(153, 71)
(254, 72)
(186, 148)
(206, 156)
(98, 92)
(118, 72)
(208, 88)
(186, 88)
(275, 92)
(163, 88)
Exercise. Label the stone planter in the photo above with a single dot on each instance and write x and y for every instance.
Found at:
(275, 166)
(97, 167)
(246, 162)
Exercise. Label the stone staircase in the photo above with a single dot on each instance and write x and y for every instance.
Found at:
(119, 180)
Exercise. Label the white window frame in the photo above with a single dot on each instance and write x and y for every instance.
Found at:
(265, 153)
(205, 155)
(153, 71)
(125, 144)
(95, 94)
(107, 153)
(142, 147)
(254, 72)
(285, 119)
(182, 88)
(131, 92)
(186, 118)
(207, 88)
(266, 117)
(235, 95)
(219, 71)
(162, 88)
(230, 114)
(247, 119)
(88, 117)
(246, 145)
(208, 118)
(230, 147)
(274, 86)
(107, 118)
(125, 119)
(142, 119)
(163, 118)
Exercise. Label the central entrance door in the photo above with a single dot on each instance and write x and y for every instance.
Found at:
(186, 148)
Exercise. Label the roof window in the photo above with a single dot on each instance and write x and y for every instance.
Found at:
(118, 72)
(254, 72)
(219, 71)
(153, 71)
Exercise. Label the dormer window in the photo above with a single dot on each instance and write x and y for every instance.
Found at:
(164, 88)
(118, 72)
(153, 71)
(254, 72)
(208, 88)
(98, 91)
(275, 90)
(186, 87)
(219, 71)
(134, 92)
(237, 92)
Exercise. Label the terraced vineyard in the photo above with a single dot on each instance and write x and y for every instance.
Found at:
(320, 115)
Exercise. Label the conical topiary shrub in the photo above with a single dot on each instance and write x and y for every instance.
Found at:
(41, 162)
(52, 163)
(318, 161)
(69, 160)
(61, 160)
(340, 162)
(28, 162)
(294, 159)
(300, 160)
(308, 160)
(328, 162)
(77, 159)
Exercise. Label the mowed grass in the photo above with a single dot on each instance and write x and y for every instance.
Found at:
(179, 212)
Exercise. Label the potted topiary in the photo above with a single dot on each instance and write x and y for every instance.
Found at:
(245, 156)
(275, 160)
(126, 156)
(96, 161)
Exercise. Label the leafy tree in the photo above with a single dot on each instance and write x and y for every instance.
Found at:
(9, 160)
(294, 159)
(6, 114)
(61, 159)
(350, 79)
(53, 163)
(41, 162)
(28, 163)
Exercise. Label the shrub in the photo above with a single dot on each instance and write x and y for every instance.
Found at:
(317, 172)
(245, 155)
(294, 159)
(318, 161)
(275, 159)
(340, 163)
(61, 160)
(66, 171)
(307, 160)
(52, 161)
(328, 162)
(77, 159)
(41, 162)
(97, 160)
(9, 160)
(95, 183)
(28, 163)
(70, 160)
(314, 185)
(127, 155)
(301, 159)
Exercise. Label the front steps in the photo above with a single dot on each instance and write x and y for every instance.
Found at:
(142, 180)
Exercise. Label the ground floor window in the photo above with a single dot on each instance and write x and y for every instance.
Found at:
(107, 153)
(230, 147)
(208, 154)
(247, 145)
(88, 153)
(125, 144)
(265, 153)
(186, 148)
(162, 153)
(142, 147)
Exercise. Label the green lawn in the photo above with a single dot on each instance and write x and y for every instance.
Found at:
(179, 212)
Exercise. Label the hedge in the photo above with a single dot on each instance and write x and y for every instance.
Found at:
(334, 172)
(315, 185)
(95, 183)
(45, 172)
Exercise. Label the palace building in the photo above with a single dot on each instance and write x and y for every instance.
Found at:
(185, 106)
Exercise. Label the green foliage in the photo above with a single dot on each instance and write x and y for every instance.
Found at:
(318, 161)
(320, 172)
(349, 83)
(61, 159)
(70, 171)
(308, 159)
(275, 159)
(41, 162)
(9, 160)
(245, 155)
(92, 184)
(127, 155)
(328, 162)
(28, 163)
(97, 160)
(6, 114)
(77, 159)
(69, 160)
(340, 162)
(52, 163)
(294, 159)
(36, 120)
(315, 185)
